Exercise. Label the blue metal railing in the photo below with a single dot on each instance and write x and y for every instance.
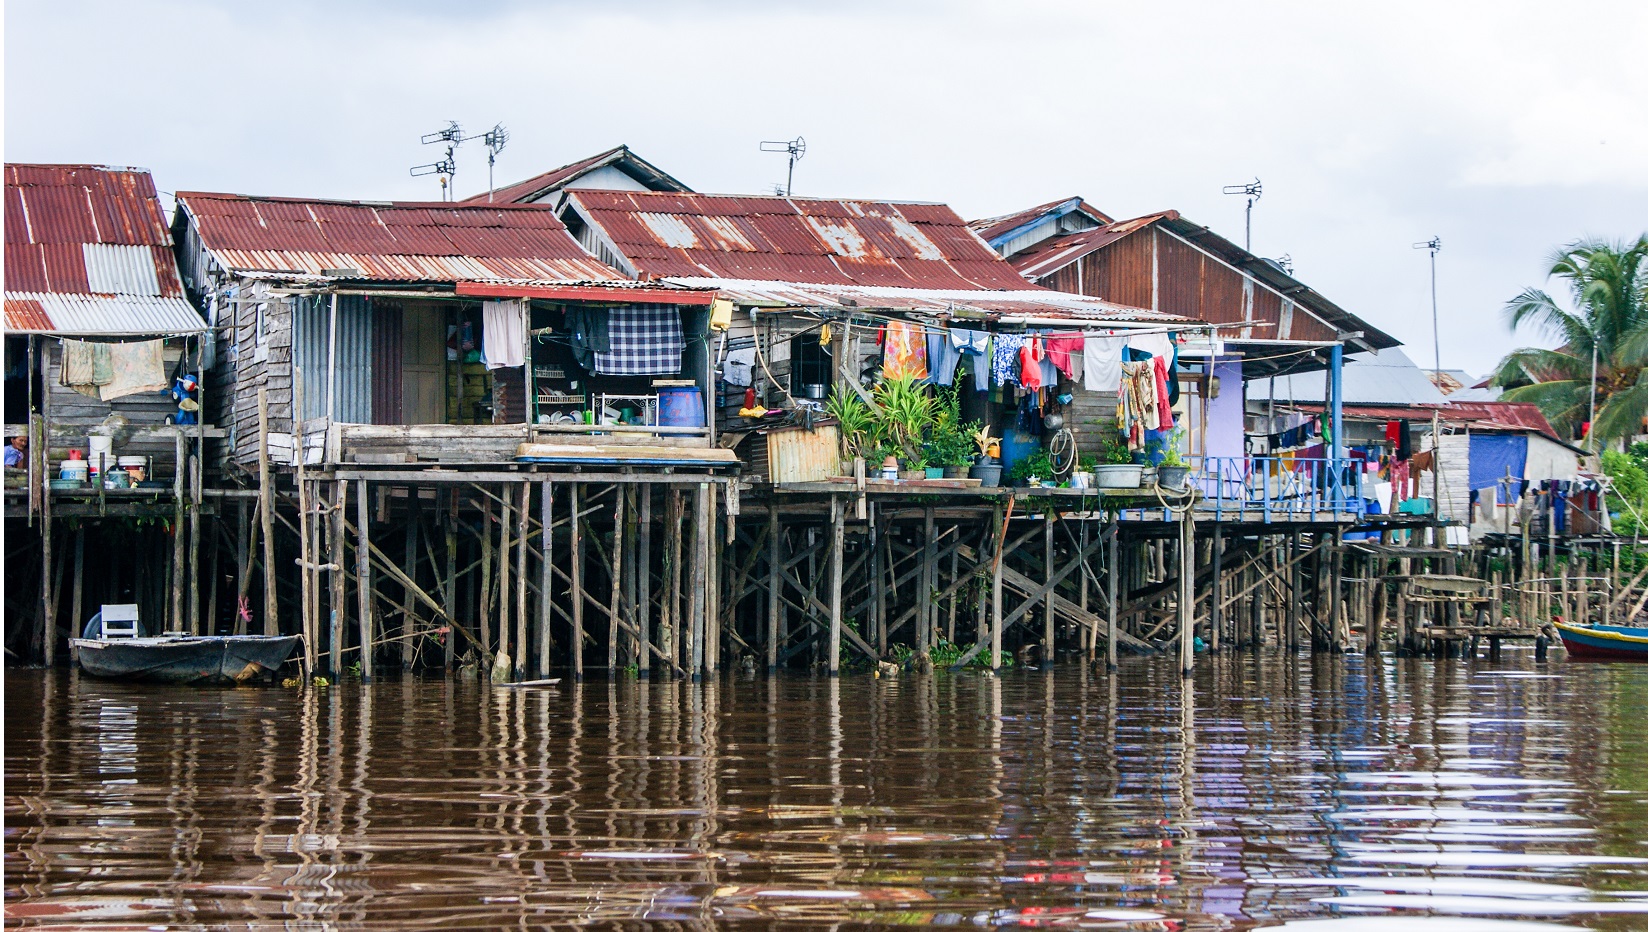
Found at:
(1271, 488)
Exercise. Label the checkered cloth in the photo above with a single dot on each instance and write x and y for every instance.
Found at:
(644, 340)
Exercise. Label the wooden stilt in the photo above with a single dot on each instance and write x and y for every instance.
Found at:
(880, 556)
(1216, 609)
(712, 582)
(501, 671)
(175, 620)
(1336, 580)
(1296, 592)
(1048, 631)
(266, 519)
(363, 572)
(76, 619)
(576, 548)
(485, 660)
(546, 552)
(838, 532)
(243, 563)
(669, 613)
(697, 596)
(774, 584)
(955, 597)
(643, 578)
(523, 523)
(616, 568)
(449, 598)
(48, 609)
(928, 613)
(193, 568)
(409, 620)
(1112, 578)
(1187, 595)
(339, 578)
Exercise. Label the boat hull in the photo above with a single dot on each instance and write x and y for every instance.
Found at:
(1604, 642)
(193, 661)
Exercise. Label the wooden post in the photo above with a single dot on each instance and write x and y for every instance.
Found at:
(363, 575)
(1296, 591)
(617, 568)
(194, 543)
(339, 579)
(546, 552)
(523, 527)
(955, 566)
(697, 597)
(1187, 592)
(485, 660)
(669, 618)
(643, 579)
(881, 548)
(75, 603)
(500, 664)
(1336, 585)
(838, 532)
(576, 547)
(1112, 579)
(927, 613)
(180, 469)
(450, 600)
(775, 580)
(1000, 525)
(1216, 609)
(1048, 631)
(712, 583)
(266, 519)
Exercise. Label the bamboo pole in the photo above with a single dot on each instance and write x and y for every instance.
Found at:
(838, 529)
(546, 515)
(363, 571)
(616, 566)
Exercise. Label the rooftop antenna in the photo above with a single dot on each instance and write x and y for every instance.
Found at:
(1286, 262)
(453, 137)
(495, 139)
(1434, 244)
(1253, 191)
(797, 148)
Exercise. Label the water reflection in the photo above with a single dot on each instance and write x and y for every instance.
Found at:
(1281, 791)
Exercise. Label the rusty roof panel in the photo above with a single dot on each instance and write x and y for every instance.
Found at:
(797, 240)
(447, 242)
(27, 315)
(100, 315)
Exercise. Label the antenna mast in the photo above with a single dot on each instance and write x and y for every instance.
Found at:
(1434, 244)
(796, 148)
(1253, 191)
(495, 139)
(448, 167)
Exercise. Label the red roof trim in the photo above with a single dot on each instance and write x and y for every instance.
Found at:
(588, 293)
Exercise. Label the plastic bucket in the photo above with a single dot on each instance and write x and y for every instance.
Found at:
(1017, 444)
(99, 446)
(681, 406)
(74, 470)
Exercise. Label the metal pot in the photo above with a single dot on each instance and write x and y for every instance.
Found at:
(1053, 421)
(815, 391)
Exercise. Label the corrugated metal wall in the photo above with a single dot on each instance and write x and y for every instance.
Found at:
(387, 362)
(311, 335)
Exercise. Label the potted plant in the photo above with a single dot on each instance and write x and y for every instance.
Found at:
(1172, 473)
(1082, 478)
(1032, 470)
(1116, 469)
(986, 468)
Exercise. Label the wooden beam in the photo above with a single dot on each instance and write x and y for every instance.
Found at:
(838, 532)
(546, 515)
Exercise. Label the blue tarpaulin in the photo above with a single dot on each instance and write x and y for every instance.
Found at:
(1491, 456)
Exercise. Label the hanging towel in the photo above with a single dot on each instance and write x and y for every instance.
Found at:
(1102, 363)
(644, 340)
(739, 369)
(1005, 361)
(503, 333)
(1164, 407)
(1156, 344)
(975, 344)
(1061, 351)
(1031, 354)
(942, 356)
(904, 352)
(85, 367)
(135, 368)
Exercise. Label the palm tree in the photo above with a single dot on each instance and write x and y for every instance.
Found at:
(1608, 285)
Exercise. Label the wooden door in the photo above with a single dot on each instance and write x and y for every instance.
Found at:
(423, 367)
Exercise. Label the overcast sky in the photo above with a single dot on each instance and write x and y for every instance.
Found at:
(1504, 128)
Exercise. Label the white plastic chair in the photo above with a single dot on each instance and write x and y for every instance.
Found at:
(119, 621)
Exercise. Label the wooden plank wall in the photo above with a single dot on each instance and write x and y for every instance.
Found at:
(70, 410)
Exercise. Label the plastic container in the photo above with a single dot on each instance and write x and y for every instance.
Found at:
(74, 471)
(1118, 476)
(1017, 444)
(681, 406)
(99, 448)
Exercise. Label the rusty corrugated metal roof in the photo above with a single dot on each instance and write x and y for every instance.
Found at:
(794, 240)
(992, 227)
(88, 253)
(536, 187)
(1056, 252)
(383, 241)
(1478, 415)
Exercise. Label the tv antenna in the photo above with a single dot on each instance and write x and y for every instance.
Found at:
(1434, 244)
(797, 148)
(1253, 191)
(495, 139)
(1286, 262)
(453, 137)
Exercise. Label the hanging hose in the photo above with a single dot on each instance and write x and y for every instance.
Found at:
(1061, 451)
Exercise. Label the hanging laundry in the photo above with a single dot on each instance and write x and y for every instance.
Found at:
(942, 356)
(1156, 344)
(503, 333)
(1137, 409)
(904, 351)
(1102, 363)
(586, 334)
(974, 344)
(739, 369)
(644, 340)
(1061, 352)
(85, 367)
(1005, 363)
(1164, 404)
(1031, 354)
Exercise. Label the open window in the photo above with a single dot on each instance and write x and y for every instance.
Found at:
(811, 364)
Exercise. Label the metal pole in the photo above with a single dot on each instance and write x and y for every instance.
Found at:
(1436, 338)
(1591, 423)
(331, 364)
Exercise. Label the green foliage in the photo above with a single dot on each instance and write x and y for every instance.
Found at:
(1112, 451)
(1170, 448)
(1628, 494)
(906, 415)
(949, 441)
(856, 421)
(1035, 466)
(1608, 290)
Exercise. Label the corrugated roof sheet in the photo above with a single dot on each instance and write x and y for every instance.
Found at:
(1388, 378)
(391, 242)
(88, 253)
(100, 315)
(534, 188)
(1055, 253)
(1007, 305)
(1479, 415)
(796, 240)
(992, 227)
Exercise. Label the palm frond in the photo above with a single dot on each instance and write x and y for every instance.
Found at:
(1622, 413)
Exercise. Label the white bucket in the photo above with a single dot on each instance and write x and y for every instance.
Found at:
(99, 446)
(131, 462)
(74, 470)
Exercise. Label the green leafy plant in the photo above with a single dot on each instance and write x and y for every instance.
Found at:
(1035, 466)
(906, 415)
(983, 440)
(855, 419)
(1170, 448)
(1113, 452)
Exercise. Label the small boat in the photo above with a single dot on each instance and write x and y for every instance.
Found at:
(185, 659)
(1604, 642)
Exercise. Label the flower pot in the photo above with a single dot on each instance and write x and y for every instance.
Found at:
(1118, 476)
(1176, 478)
(988, 474)
(934, 472)
(912, 474)
(1147, 476)
(955, 472)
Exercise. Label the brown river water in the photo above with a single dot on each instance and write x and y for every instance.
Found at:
(1333, 793)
